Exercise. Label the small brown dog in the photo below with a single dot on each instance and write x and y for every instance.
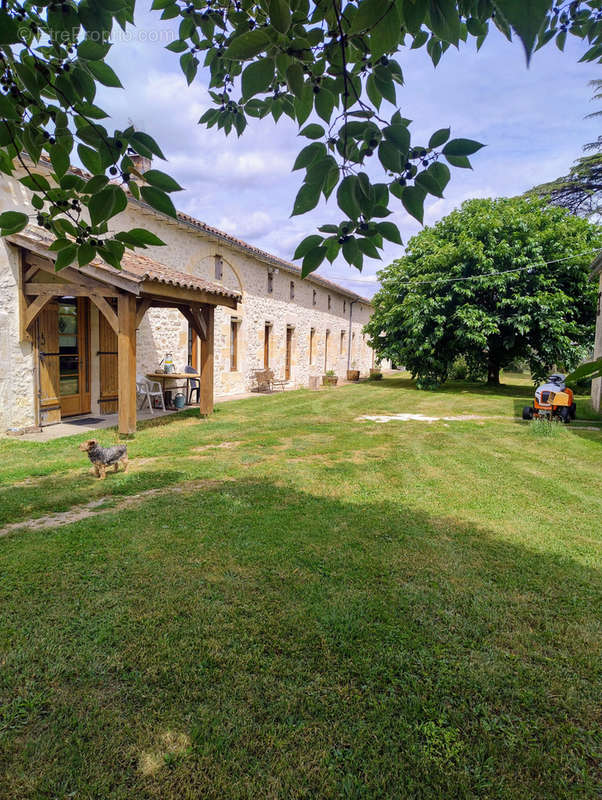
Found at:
(103, 457)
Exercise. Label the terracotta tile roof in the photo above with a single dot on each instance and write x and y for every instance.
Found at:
(136, 267)
(139, 268)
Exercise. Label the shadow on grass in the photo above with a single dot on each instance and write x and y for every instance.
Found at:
(56, 493)
(318, 647)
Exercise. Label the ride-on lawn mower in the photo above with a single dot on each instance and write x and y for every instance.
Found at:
(552, 400)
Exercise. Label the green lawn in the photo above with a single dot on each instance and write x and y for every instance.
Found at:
(307, 606)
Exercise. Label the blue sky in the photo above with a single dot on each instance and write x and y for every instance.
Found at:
(531, 119)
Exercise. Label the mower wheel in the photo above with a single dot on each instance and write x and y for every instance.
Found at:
(565, 415)
(573, 411)
(527, 412)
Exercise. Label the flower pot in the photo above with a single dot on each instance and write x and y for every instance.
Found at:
(353, 374)
(329, 380)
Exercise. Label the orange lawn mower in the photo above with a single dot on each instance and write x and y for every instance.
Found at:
(553, 400)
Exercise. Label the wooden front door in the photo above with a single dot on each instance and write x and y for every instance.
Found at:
(289, 347)
(74, 355)
(107, 356)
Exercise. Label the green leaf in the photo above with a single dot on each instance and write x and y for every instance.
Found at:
(309, 154)
(526, 17)
(389, 231)
(312, 260)
(427, 181)
(399, 135)
(257, 77)
(324, 103)
(65, 257)
(368, 12)
(347, 196)
(307, 198)
(413, 201)
(591, 369)
(92, 50)
(158, 200)
(389, 156)
(9, 29)
(145, 145)
(35, 182)
(59, 158)
(459, 161)
(295, 79)
(105, 74)
(12, 222)
(140, 237)
(306, 245)
(313, 131)
(384, 36)
(85, 254)
(441, 174)
(248, 45)
(368, 247)
(439, 137)
(89, 158)
(101, 205)
(280, 15)
(8, 108)
(445, 22)
(352, 254)
(161, 180)
(461, 147)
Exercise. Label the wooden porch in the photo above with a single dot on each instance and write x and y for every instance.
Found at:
(122, 299)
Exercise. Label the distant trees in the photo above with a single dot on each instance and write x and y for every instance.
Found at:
(477, 285)
(580, 191)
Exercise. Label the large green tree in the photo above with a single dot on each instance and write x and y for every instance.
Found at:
(332, 66)
(494, 281)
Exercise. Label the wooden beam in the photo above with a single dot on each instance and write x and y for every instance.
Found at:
(61, 289)
(143, 306)
(24, 335)
(126, 364)
(34, 308)
(30, 272)
(188, 296)
(195, 320)
(206, 381)
(105, 309)
(197, 313)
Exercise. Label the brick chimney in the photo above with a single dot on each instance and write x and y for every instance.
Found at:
(141, 163)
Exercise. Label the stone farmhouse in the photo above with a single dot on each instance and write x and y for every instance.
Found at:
(73, 342)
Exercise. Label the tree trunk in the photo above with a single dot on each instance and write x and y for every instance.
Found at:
(493, 372)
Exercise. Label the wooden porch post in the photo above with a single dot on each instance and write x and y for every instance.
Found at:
(206, 392)
(126, 359)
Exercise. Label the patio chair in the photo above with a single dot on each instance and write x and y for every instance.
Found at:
(195, 386)
(148, 389)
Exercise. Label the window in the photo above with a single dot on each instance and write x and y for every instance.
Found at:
(267, 332)
(270, 282)
(314, 299)
(233, 344)
(292, 290)
(326, 337)
(344, 306)
(312, 344)
(219, 268)
(329, 302)
(193, 348)
(342, 348)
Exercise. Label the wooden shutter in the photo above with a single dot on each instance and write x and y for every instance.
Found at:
(47, 339)
(107, 356)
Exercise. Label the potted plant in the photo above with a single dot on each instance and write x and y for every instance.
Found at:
(376, 374)
(329, 378)
(353, 374)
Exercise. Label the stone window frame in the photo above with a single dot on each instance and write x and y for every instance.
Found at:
(292, 290)
(234, 330)
(342, 342)
(312, 345)
(329, 303)
(314, 300)
(270, 281)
